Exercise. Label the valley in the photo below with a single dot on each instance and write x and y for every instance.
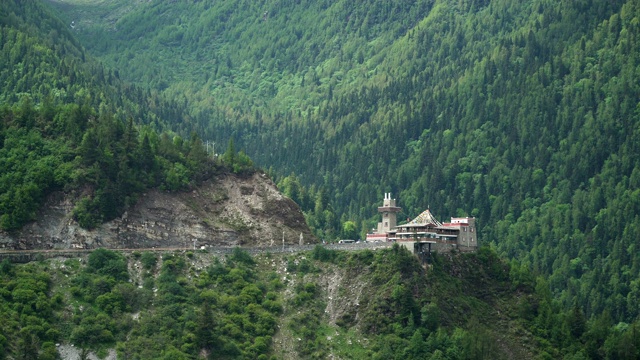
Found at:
(225, 124)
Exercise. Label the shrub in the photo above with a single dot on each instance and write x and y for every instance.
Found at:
(109, 263)
(148, 260)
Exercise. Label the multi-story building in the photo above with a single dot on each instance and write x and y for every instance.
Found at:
(425, 233)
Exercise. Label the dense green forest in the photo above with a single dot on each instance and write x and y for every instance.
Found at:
(522, 114)
(228, 310)
(147, 305)
(68, 124)
(195, 305)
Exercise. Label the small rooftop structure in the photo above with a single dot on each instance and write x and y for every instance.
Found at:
(426, 218)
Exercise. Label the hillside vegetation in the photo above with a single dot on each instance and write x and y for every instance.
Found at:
(522, 114)
(68, 124)
(319, 304)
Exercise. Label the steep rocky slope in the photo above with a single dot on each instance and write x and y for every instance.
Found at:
(229, 210)
(347, 306)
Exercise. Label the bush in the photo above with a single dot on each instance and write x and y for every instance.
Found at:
(86, 213)
(148, 260)
(323, 254)
(6, 267)
(109, 263)
(242, 256)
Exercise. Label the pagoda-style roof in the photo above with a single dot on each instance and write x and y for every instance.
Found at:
(424, 219)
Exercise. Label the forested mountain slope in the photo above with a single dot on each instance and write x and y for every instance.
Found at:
(69, 125)
(319, 304)
(42, 59)
(523, 114)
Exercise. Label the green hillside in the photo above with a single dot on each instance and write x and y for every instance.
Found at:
(68, 124)
(314, 305)
(523, 114)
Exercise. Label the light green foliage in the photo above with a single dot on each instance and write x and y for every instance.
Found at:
(349, 230)
(229, 312)
(108, 263)
(239, 162)
(29, 325)
(305, 323)
(463, 307)
(110, 159)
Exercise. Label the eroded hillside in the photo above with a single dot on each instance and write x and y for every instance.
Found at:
(228, 210)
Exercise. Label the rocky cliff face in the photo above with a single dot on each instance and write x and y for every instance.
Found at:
(226, 211)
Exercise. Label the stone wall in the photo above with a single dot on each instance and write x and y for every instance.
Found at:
(440, 247)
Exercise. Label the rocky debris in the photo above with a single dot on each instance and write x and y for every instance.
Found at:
(343, 294)
(70, 352)
(229, 210)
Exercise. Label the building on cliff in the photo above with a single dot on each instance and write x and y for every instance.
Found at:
(425, 233)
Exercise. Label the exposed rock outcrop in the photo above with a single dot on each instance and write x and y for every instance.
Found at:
(228, 210)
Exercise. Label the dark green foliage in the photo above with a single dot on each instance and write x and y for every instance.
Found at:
(242, 257)
(68, 124)
(102, 288)
(398, 282)
(301, 266)
(6, 267)
(305, 323)
(108, 263)
(576, 322)
(323, 254)
(110, 160)
(521, 114)
(28, 310)
(461, 308)
(226, 310)
(30, 166)
(148, 260)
